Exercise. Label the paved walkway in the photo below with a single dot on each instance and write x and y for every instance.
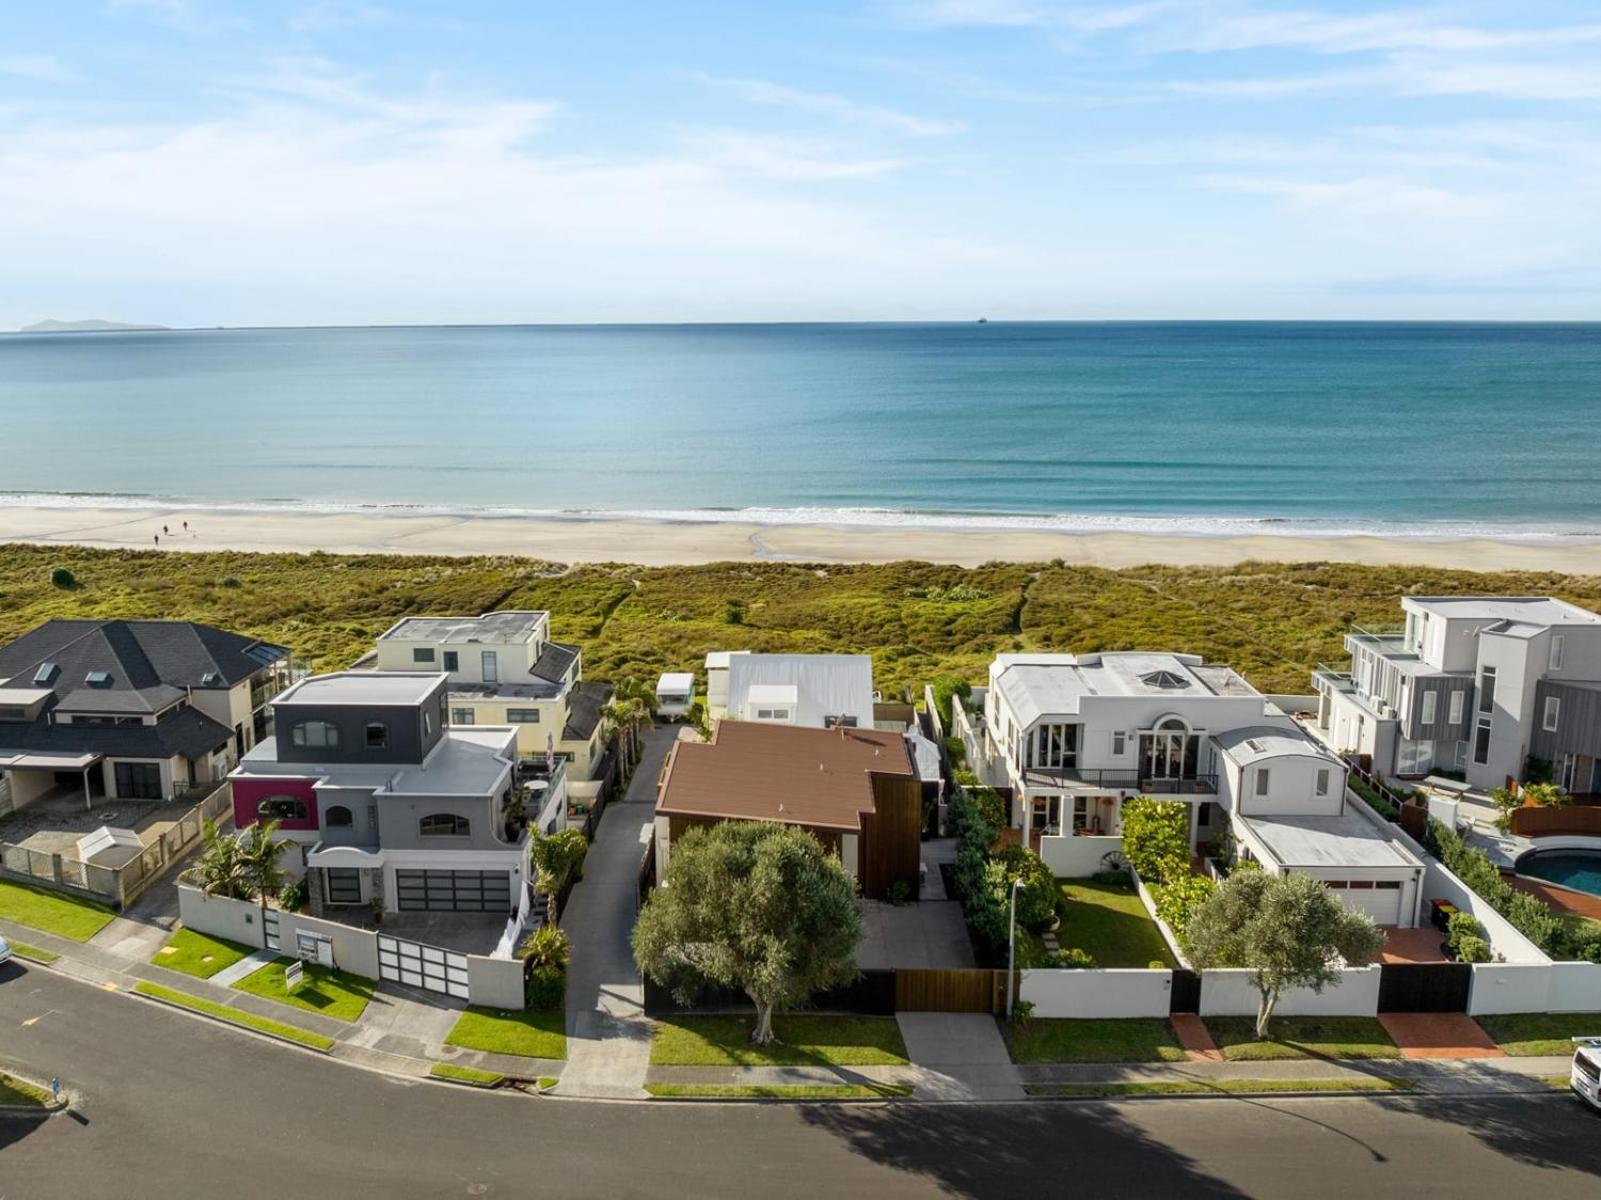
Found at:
(1196, 1039)
(1439, 1035)
(608, 1034)
(248, 965)
(958, 1056)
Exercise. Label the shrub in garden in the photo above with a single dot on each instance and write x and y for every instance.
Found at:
(63, 578)
(1176, 902)
(1473, 950)
(1036, 899)
(545, 988)
(1458, 927)
(1156, 838)
(945, 688)
(1074, 959)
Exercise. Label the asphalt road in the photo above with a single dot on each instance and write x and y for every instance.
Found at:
(176, 1107)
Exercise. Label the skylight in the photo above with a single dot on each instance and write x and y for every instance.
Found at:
(1168, 681)
(98, 679)
(210, 679)
(46, 674)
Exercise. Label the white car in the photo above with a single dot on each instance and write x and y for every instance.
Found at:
(5, 950)
(1586, 1076)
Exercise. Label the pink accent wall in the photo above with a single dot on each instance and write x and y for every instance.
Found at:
(247, 793)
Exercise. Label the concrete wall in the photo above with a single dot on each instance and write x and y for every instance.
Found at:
(1097, 993)
(1071, 857)
(1575, 987)
(1528, 987)
(355, 950)
(495, 982)
(1230, 993)
(236, 920)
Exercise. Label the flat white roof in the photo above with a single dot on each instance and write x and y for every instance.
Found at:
(23, 696)
(1035, 685)
(718, 659)
(676, 681)
(1539, 611)
(1252, 742)
(363, 688)
(1348, 840)
(467, 761)
(495, 628)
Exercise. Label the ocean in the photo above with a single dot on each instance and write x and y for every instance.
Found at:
(1323, 428)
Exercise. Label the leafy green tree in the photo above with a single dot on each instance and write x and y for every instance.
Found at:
(1286, 929)
(1156, 838)
(558, 859)
(260, 852)
(755, 906)
(222, 870)
(1176, 902)
(632, 708)
(947, 687)
(1036, 899)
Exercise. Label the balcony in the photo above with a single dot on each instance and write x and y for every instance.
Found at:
(1335, 679)
(1119, 780)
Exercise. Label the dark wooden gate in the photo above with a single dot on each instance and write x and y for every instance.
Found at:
(954, 990)
(1186, 994)
(1424, 987)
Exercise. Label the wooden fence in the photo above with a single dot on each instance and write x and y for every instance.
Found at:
(953, 990)
(1582, 820)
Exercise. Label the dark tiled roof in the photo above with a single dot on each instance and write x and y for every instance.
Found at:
(149, 663)
(555, 662)
(583, 710)
(188, 732)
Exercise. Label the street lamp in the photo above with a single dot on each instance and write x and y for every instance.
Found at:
(1011, 950)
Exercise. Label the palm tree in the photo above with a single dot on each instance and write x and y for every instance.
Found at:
(557, 861)
(223, 870)
(260, 848)
(630, 710)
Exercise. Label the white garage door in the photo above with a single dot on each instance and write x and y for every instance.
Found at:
(1381, 901)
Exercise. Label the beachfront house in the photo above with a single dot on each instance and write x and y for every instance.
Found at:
(1472, 686)
(856, 789)
(504, 669)
(1072, 737)
(817, 690)
(388, 805)
(130, 710)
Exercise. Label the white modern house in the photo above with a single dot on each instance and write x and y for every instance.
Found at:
(1475, 684)
(814, 690)
(1072, 737)
(504, 669)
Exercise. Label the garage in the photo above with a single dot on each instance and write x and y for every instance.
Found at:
(1380, 899)
(453, 891)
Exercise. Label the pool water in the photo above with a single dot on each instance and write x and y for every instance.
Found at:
(1578, 869)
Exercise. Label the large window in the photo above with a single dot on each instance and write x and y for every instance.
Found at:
(315, 735)
(444, 825)
(1481, 742)
(462, 716)
(522, 716)
(338, 817)
(1487, 690)
(1431, 701)
(1170, 751)
(343, 885)
(377, 735)
(1056, 747)
(491, 667)
(422, 654)
(1453, 712)
(138, 781)
(282, 808)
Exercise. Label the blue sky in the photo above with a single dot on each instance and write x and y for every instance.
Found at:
(206, 162)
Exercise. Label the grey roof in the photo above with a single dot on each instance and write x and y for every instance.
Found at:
(382, 688)
(467, 761)
(188, 732)
(1252, 743)
(583, 710)
(555, 661)
(492, 628)
(1348, 840)
(1039, 685)
(149, 664)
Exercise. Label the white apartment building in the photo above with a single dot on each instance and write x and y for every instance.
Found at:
(1475, 684)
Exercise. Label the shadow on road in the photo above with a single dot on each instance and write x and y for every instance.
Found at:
(1561, 1133)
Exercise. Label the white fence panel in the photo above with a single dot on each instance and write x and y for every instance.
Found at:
(1108, 992)
(1071, 857)
(1575, 987)
(1230, 993)
(1509, 988)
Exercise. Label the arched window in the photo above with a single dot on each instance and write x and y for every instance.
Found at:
(377, 735)
(281, 808)
(444, 825)
(338, 817)
(315, 735)
(1174, 725)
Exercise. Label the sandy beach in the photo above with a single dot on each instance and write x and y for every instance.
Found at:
(656, 543)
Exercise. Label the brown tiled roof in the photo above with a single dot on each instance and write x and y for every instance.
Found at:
(759, 772)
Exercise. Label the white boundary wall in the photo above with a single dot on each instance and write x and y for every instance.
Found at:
(1109, 992)
(1230, 993)
(1071, 857)
(1532, 988)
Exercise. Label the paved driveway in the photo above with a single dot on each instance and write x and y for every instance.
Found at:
(608, 1035)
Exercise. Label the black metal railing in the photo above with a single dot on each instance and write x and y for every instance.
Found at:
(1122, 780)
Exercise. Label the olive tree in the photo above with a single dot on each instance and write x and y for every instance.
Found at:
(1286, 929)
(754, 906)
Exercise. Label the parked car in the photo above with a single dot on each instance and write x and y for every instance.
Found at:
(1586, 1076)
(5, 950)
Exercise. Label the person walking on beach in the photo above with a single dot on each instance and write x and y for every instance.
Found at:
(158, 539)
(164, 529)
(186, 526)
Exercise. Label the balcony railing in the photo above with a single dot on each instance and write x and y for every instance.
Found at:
(1122, 780)
(1339, 680)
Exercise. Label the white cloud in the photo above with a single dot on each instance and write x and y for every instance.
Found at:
(43, 67)
(783, 158)
(1323, 33)
(828, 104)
(1365, 197)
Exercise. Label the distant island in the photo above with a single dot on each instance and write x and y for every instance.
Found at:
(91, 326)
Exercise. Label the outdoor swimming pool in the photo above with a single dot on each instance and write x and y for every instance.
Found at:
(1578, 869)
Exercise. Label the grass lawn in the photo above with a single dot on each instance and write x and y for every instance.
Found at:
(19, 1091)
(196, 954)
(34, 953)
(1302, 1037)
(502, 1031)
(1135, 1039)
(235, 1016)
(806, 1039)
(470, 1075)
(548, 1081)
(65, 916)
(1221, 1087)
(1525, 1034)
(1107, 921)
(795, 1091)
(332, 993)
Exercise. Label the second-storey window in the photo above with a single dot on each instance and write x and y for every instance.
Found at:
(315, 735)
(1431, 701)
(1481, 742)
(1453, 712)
(1487, 690)
(1553, 709)
(281, 808)
(422, 654)
(522, 716)
(444, 825)
(377, 735)
(1323, 781)
(461, 716)
(1261, 781)
(491, 667)
(452, 661)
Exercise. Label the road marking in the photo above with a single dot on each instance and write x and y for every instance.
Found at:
(40, 1017)
(108, 986)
